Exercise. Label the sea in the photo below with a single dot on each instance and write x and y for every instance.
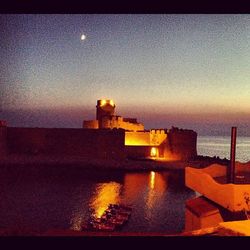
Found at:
(220, 146)
(36, 200)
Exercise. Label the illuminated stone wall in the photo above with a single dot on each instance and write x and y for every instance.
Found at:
(140, 144)
(132, 126)
(173, 144)
(141, 138)
(157, 136)
(113, 122)
(89, 143)
(118, 122)
(154, 137)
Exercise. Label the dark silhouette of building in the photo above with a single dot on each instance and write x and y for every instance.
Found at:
(107, 137)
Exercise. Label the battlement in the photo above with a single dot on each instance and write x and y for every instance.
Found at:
(106, 118)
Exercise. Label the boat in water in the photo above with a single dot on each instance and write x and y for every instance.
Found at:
(114, 217)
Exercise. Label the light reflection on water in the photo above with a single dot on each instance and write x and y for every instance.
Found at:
(157, 187)
(105, 194)
(154, 209)
(63, 202)
(152, 179)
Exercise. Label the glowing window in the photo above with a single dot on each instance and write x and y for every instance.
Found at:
(153, 152)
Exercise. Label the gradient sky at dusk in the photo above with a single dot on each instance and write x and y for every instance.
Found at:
(191, 71)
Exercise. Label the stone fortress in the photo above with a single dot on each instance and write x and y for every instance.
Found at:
(108, 137)
(170, 144)
(105, 118)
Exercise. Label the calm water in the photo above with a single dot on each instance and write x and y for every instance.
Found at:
(220, 146)
(36, 200)
(39, 200)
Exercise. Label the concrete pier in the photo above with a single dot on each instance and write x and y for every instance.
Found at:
(201, 213)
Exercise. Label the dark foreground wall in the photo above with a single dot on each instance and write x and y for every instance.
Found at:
(181, 144)
(3, 140)
(137, 152)
(102, 143)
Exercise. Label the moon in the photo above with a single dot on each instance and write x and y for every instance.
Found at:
(83, 37)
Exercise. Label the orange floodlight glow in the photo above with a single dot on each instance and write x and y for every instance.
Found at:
(153, 152)
(111, 102)
(106, 193)
(103, 102)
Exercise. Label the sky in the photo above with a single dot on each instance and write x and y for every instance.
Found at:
(189, 71)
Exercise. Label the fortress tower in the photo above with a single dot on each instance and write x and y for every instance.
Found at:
(106, 118)
(105, 109)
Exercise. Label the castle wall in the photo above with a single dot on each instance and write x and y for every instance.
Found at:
(91, 124)
(181, 144)
(132, 126)
(137, 152)
(92, 143)
(105, 122)
(139, 144)
(157, 136)
(175, 144)
(3, 138)
(153, 137)
(118, 122)
(127, 119)
(141, 138)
